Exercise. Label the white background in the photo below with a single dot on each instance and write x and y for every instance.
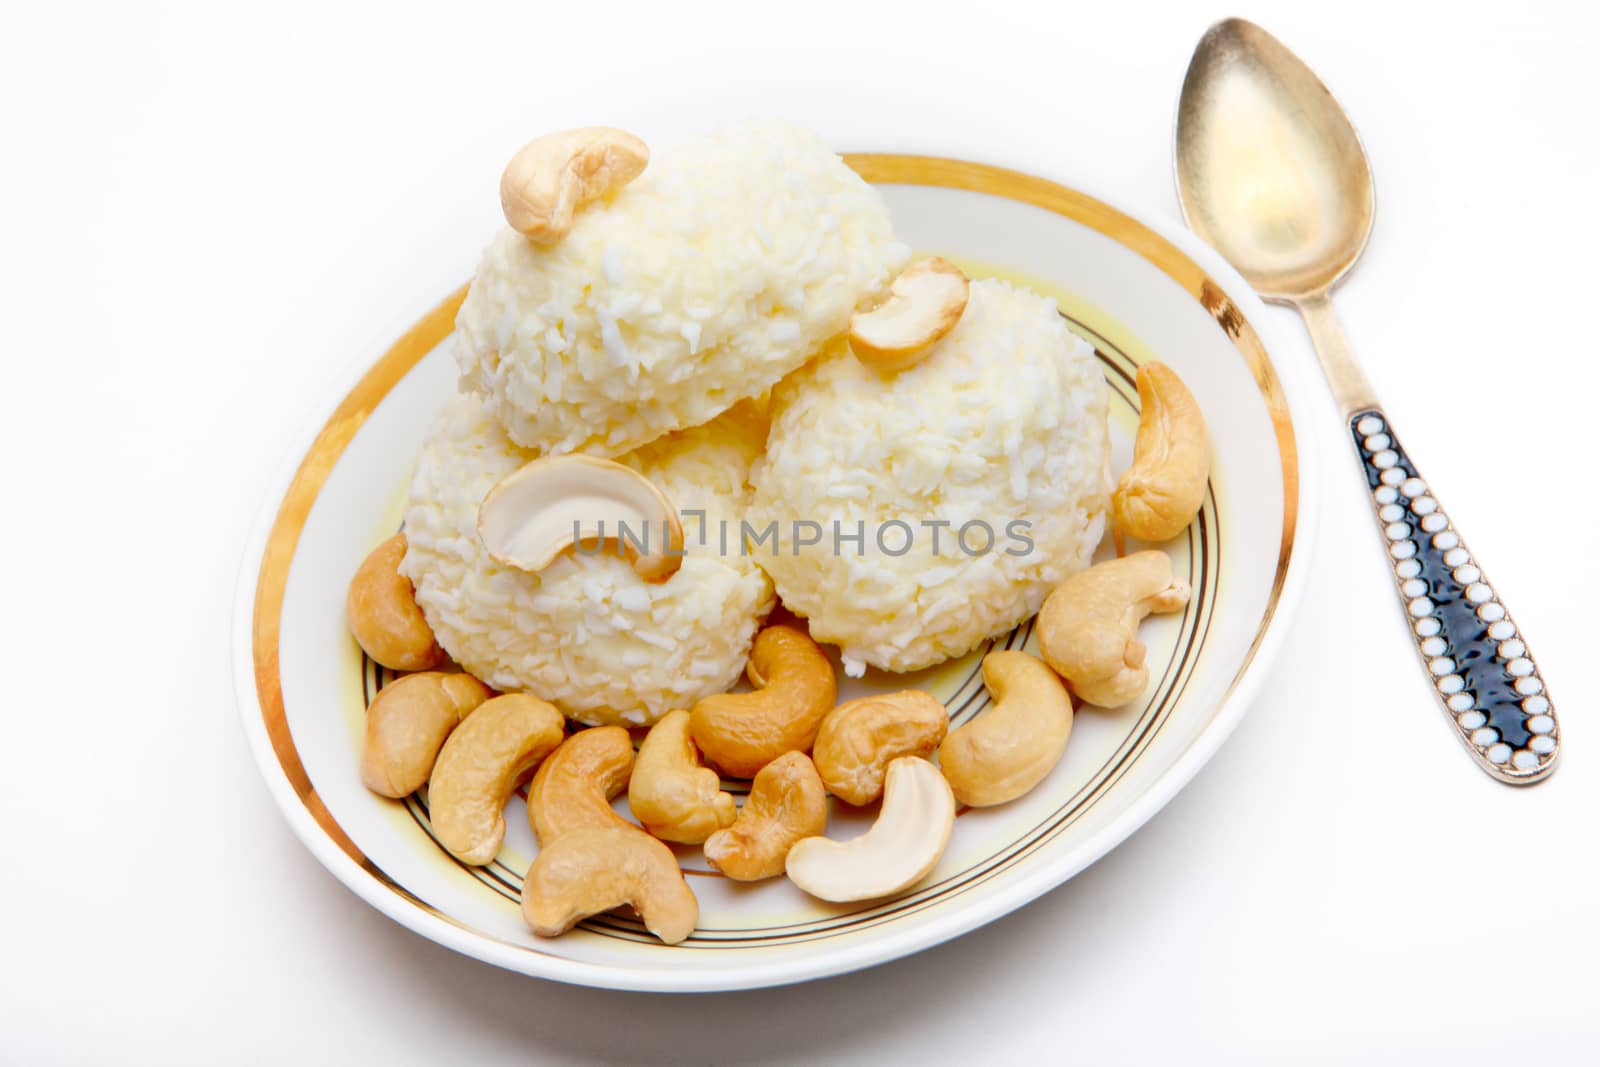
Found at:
(207, 214)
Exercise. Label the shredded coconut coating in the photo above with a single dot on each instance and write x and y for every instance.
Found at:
(587, 633)
(725, 266)
(1004, 419)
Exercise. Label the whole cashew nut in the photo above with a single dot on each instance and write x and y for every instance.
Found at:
(479, 768)
(1089, 627)
(671, 793)
(1009, 749)
(381, 610)
(1161, 493)
(550, 178)
(908, 838)
(590, 871)
(574, 786)
(743, 732)
(860, 737)
(925, 303)
(786, 804)
(408, 722)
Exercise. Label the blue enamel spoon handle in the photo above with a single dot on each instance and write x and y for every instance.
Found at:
(1481, 669)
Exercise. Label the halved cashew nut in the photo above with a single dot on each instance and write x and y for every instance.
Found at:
(1089, 627)
(381, 610)
(550, 178)
(574, 786)
(543, 508)
(925, 303)
(743, 732)
(1162, 492)
(591, 871)
(786, 803)
(903, 845)
(1009, 749)
(860, 737)
(671, 793)
(408, 722)
(479, 768)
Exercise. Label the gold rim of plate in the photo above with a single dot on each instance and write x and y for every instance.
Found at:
(336, 434)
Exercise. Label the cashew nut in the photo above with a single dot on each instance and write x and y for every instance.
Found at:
(925, 303)
(591, 871)
(480, 765)
(675, 797)
(786, 803)
(1009, 749)
(905, 842)
(407, 723)
(743, 732)
(550, 178)
(1162, 492)
(574, 786)
(860, 737)
(1088, 628)
(543, 508)
(381, 610)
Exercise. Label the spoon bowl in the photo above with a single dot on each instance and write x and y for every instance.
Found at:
(1270, 170)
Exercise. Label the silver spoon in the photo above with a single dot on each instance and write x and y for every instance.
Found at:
(1272, 175)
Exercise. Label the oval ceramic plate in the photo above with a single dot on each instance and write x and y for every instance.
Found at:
(1136, 292)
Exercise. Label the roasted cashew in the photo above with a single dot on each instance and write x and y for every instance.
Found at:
(743, 732)
(860, 737)
(550, 178)
(786, 803)
(1162, 492)
(590, 871)
(1009, 749)
(925, 303)
(479, 767)
(408, 722)
(671, 793)
(541, 509)
(1089, 627)
(381, 610)
(910, 835)
(574, 786)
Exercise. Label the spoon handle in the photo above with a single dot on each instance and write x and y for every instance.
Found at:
(1482, 672)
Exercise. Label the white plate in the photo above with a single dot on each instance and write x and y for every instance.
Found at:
(1137, 290)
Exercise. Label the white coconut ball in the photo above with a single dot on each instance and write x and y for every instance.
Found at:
(1000, 430)
(587, 633)
(722, 268)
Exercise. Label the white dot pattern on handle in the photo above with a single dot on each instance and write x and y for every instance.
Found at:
(1420, 536)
